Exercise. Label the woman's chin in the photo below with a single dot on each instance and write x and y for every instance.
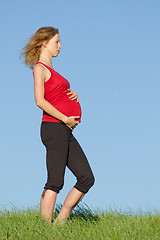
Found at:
(55, 55)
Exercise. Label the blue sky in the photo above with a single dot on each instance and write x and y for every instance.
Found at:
(110, 54)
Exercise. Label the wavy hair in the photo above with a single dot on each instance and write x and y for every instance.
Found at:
(31, 52)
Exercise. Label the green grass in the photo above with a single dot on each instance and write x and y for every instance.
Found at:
(82, 224)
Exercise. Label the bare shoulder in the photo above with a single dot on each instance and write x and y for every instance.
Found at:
(39, 72)
(38, 68)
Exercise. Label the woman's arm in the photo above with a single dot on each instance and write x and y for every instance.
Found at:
(39, 77)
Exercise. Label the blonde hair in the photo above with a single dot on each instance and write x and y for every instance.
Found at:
(31, 52)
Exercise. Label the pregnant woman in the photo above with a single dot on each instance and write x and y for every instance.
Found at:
(61, 114)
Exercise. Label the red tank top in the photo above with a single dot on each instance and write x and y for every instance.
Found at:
(56, 94)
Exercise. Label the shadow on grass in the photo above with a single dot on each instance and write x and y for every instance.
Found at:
(81, 211)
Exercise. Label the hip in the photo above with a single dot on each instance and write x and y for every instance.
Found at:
(54, 131)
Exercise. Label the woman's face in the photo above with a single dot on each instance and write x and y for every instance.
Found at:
(54, 46)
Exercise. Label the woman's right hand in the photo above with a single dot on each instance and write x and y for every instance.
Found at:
(71, 121)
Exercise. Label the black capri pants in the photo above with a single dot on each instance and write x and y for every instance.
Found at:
(62, 149)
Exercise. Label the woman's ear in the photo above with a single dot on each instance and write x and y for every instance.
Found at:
(44, 44)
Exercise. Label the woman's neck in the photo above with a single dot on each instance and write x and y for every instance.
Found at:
(48, 63)
(46, 59)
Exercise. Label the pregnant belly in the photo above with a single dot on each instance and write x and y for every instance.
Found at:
(68, 107)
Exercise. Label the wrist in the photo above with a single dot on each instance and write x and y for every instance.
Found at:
(65, 119)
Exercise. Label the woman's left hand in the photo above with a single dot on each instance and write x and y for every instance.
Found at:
(73, 95)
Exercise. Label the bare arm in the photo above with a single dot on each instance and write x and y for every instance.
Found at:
(39, 77)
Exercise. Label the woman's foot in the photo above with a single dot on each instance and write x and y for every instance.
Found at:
(58, 221)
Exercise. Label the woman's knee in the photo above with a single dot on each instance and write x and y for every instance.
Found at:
(91, 180)
(85, 183)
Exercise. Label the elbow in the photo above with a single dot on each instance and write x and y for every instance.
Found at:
(39, 103)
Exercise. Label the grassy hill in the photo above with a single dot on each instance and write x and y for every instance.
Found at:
(82, 224)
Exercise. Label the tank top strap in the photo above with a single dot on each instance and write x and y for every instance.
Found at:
(44, 65)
